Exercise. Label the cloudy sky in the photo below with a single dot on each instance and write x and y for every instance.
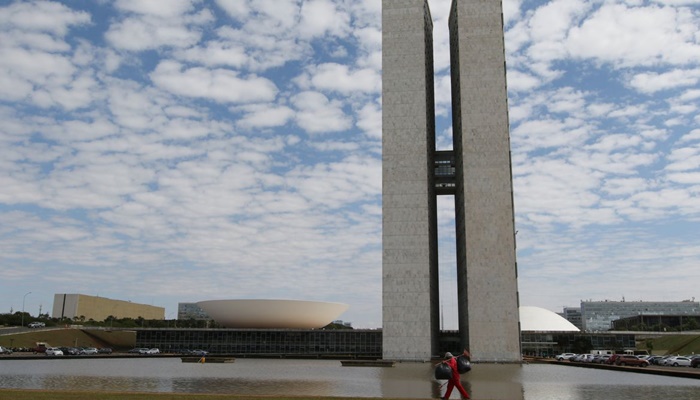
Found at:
(232, 149)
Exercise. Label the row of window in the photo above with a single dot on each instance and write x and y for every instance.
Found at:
(328, 343)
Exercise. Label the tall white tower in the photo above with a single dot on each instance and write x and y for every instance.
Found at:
(477, 172)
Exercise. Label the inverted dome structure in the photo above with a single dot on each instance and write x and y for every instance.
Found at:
(539, 319)
(272, 314)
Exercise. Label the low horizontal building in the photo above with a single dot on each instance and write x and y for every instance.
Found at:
(599, 315)
(658, 323)
(95, 308)
(292, 343)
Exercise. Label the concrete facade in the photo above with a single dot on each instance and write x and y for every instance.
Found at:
(486, 264)
(481, 183)
(409, 236)
(99, 308)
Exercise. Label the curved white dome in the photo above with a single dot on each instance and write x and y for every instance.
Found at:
(272, 314)
(540, 319)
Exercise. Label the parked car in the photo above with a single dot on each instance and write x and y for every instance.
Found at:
(73, 351)
(53, 351)
(40, 348)
(5, 350)
(695, 362)
(662, 360)
(600, 358)
(582, 358)
(565, 356)
(654, 360)
(613, 358)
(36, 325)
(628, 359)
(138, 350)
(201, 353)
(88, 350)
(153, 351)
(678, 361)
(104, 350)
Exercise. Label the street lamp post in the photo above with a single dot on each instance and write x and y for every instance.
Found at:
(24, 298)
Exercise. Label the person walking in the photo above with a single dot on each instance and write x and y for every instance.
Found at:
(454, 380)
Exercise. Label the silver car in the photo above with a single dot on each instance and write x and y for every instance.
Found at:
(53, 351)
(678, 361)
(88, 350)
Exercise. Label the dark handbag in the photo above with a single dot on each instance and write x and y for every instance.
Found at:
(443, 371)
(463, 365)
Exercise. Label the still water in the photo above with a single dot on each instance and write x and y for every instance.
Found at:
(329, 378)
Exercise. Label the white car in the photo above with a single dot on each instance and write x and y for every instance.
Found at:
(678, 361)
(53, 351)
(88, 350)
(36, 325)
(153, 351)
(565, 356)
(600, 358)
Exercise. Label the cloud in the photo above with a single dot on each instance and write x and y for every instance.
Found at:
(321, 18)
(265, 116)
(636, 36)
(370, 120)
(333, 77)
(150, 25)
(215, 54)
(651, 82)
(240, 139)
(520, 81)
(317, 114)
(41, 16)
(220, 85)
(155, 8)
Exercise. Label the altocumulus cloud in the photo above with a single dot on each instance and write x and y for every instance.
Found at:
(232, 148)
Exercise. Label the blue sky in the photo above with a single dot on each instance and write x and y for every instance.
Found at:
(232, 149)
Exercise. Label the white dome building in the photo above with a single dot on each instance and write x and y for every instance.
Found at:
(541, 331)
(541, 320)
(272, 314)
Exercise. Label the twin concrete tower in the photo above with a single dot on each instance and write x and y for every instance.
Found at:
(477, 172)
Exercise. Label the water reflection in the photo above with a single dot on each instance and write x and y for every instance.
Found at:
(329, 378)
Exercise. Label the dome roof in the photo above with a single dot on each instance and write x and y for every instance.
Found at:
(272, 314)
(539, 319)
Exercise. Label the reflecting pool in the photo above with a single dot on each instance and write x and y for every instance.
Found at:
(329, 378)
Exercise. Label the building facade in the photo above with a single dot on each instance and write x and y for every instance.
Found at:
(549, 344)
(191, 311)
(477, 172)
(99, 308)
(658, 323)
(350, 343)
(410, 307)
(485, 222)
(306, 343)
(599, 315)
(573, 315)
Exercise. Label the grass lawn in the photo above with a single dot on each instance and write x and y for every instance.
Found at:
(70, 337)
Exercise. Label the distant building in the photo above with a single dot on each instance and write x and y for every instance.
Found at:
(187, 311)
(346, 324)
(573, 315)
(94, 308)
(599, 315)
(658, 323)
